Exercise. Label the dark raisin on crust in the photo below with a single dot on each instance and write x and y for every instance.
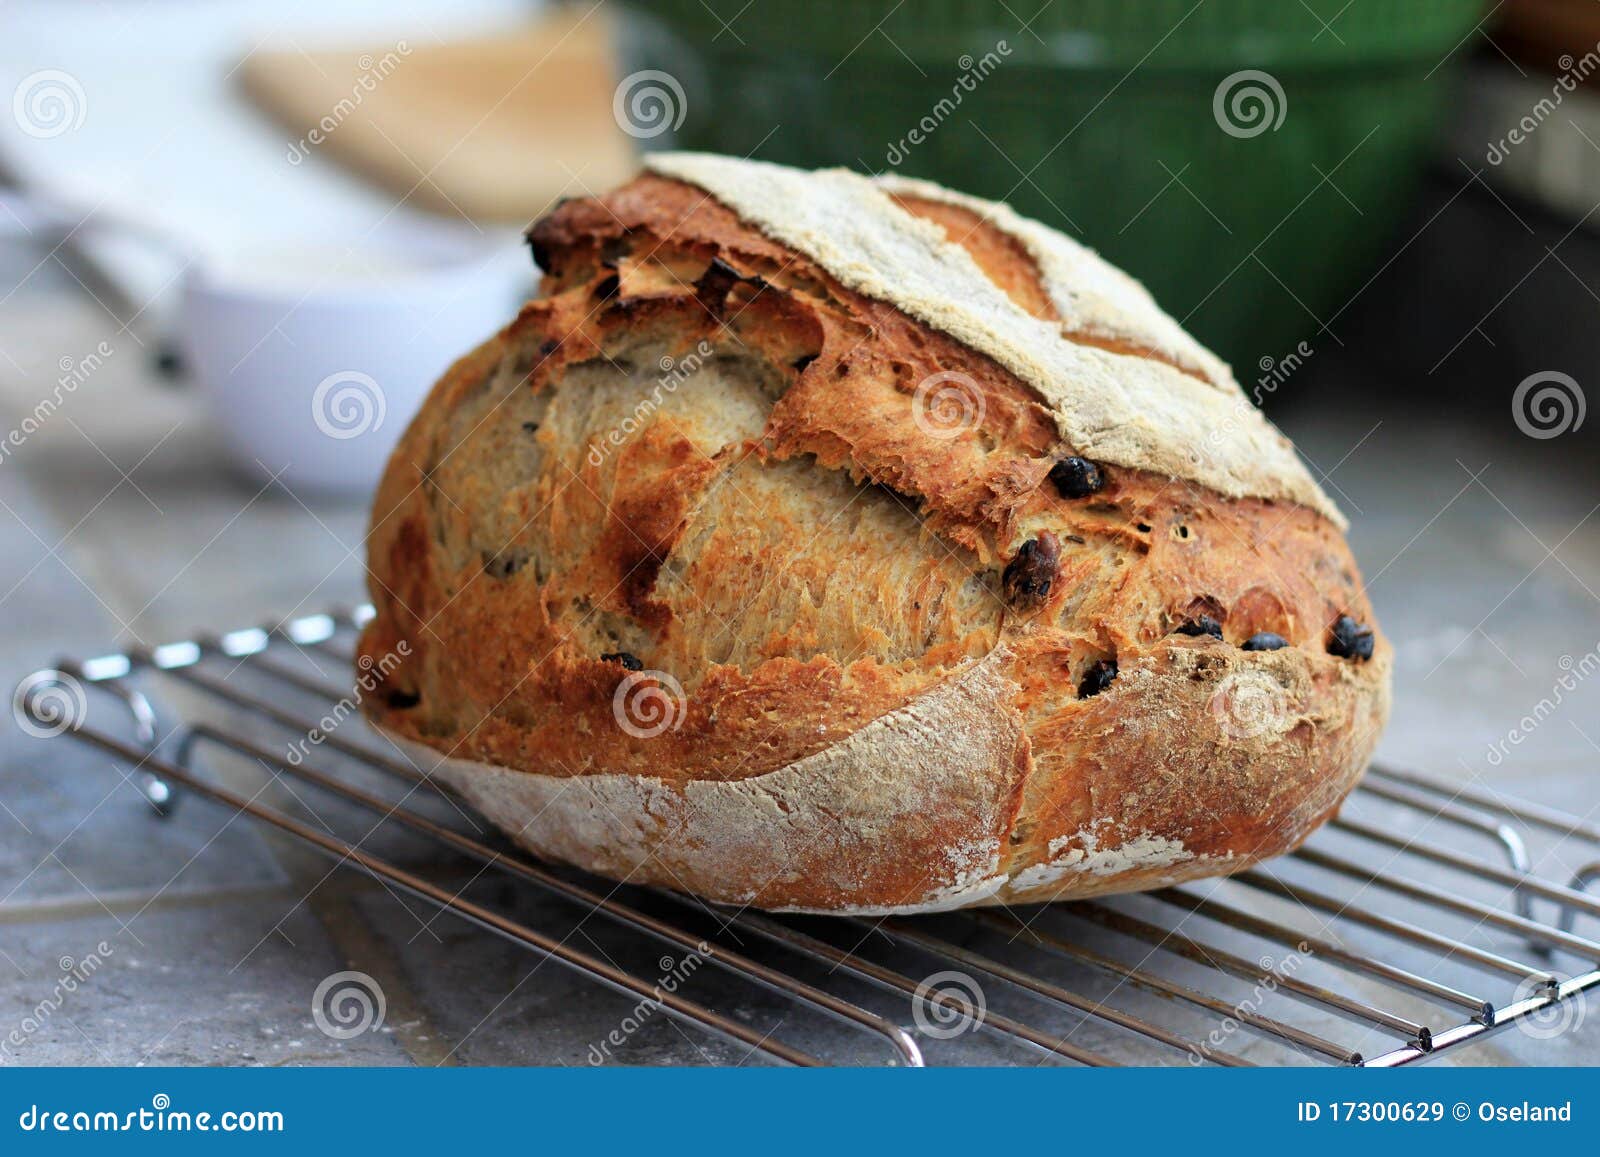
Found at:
(1264, 641)
(397, 700)
(607, 287)
(1029, 576)
(540, 251)
(1350, 639)
(1201, 625)
(627, 660)
(1097, 678)
(530, 427)
(503, 563)
(1077, 477)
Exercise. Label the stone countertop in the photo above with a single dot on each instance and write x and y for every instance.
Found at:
(120, 525)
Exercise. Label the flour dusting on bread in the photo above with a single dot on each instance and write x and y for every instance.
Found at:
(1081, 854)
(1092, 296)
(872, 814)
(1130, 411)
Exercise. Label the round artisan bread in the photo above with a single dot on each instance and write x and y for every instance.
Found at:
(826, 543)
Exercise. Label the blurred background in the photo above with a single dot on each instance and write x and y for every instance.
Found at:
(238, 242)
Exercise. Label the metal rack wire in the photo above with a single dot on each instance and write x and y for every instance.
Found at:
(1415, 924)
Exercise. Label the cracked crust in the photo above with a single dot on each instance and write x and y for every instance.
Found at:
(695, 595)
(1134, 411)
(1095, 302)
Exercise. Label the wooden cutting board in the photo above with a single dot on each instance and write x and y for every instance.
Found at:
(490, 129)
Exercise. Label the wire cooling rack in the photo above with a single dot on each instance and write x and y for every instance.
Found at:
(1412, 926)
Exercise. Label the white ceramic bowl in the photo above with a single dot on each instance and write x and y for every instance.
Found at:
(314, 357)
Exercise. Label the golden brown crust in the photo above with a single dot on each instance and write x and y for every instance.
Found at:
(704, 455)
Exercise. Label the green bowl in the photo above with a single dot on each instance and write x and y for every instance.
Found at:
(1251, 205)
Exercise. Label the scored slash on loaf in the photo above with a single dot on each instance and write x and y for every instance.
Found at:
(826, 543)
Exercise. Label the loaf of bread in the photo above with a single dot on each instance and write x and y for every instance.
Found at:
(837, 544)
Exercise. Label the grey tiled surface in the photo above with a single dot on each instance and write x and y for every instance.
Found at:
(220, 934)
(223, 982)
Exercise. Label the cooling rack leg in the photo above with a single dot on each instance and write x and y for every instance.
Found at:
(1447, 809)
(55, 700)
(1581, 879)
